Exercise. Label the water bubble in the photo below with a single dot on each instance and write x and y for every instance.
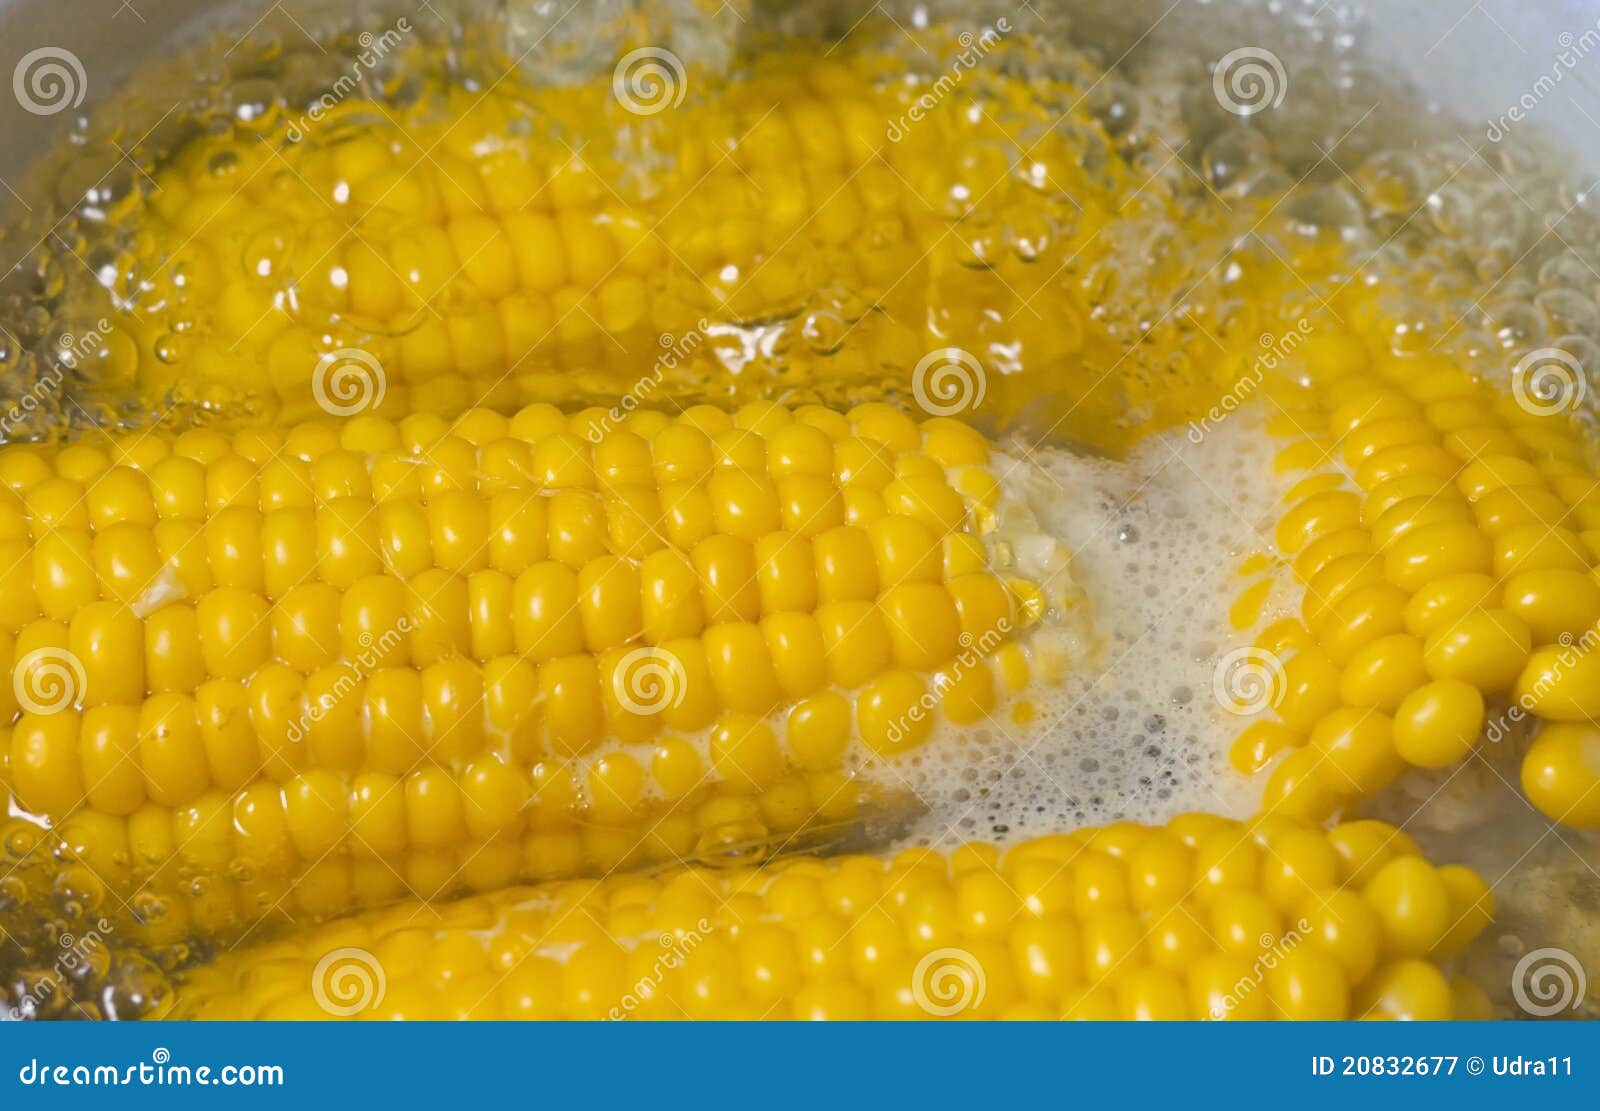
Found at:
(1566, 310)
(254, 103)
(168, 349)
(824, 332)
(1326, 208)
(1235, 160)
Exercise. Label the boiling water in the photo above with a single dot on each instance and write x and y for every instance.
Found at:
(1138, 734)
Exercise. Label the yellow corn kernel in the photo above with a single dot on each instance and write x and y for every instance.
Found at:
(1439, 723)
(1435, 551)
(1485, 647)
(1383, 672)
(446, 638)
(1561, 773)
(1443, 601)
(1310, 689)
(1106, 930)
(1561, 683)
(1358, 748)
(1317, 516)
(1553, 603)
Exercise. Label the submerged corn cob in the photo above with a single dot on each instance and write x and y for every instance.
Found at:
(1447, 540)
(1204, 918)
(480, 261)
(338, 663)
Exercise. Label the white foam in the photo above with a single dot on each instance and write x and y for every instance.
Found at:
(1136, 734)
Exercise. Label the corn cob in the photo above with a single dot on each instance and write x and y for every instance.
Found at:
(1446, 538)
(479, 264)
(330, 664)
(1203, 918)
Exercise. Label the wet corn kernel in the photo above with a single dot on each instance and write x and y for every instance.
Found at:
(548, 267)
(1487, 648)
(1445, 600)
(1412, 990)
(1562, 682)
(1553, 603)
(1439, 723)
(1561, 773)
(1358, 748)
(1103, 924)
(1382, 673)
(455, 608)
(1445, 569)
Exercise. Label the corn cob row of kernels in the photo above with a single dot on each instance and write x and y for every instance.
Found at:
(477, 265)
(468, 652)
(450, 243)
(1202, 918)
(1447, 541)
